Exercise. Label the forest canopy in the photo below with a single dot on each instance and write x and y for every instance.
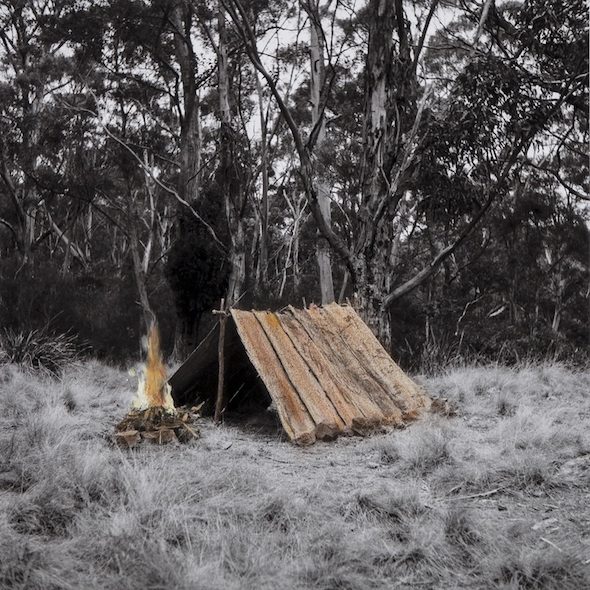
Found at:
(426, 160)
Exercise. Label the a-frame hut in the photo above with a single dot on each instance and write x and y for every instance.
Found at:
(323, 368)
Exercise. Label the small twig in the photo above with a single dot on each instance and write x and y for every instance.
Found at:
(482, 495)
(195, 409)
(279, 461)
(191, 431)
(551, 543)
(235, 394)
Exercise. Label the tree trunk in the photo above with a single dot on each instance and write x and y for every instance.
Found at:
(389, 113)
(370, 276)
(559, 283)
(373, 241)
(25, 197)
(189, 178)
(190, 125)
(378, 80)
(237, 276)
(229, 178)
(317, 80)
(139, 273)
(262, 262)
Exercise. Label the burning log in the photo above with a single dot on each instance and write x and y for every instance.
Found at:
(153, 416)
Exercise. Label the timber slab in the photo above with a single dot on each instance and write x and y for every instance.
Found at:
(324, 370)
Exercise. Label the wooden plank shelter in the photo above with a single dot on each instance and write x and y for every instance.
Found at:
(322, 367)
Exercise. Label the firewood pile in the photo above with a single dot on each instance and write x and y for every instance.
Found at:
(158, 426)
(153, 417)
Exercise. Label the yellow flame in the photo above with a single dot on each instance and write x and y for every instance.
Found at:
(152, 389)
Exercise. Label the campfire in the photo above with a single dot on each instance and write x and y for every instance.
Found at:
(153, 416)
(153, 390)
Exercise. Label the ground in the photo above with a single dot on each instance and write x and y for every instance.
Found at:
(497, 496)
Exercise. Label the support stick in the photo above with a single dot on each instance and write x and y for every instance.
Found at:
(221, 356)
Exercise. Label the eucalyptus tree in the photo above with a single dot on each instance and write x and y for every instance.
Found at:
(44, 48)
(157, 71)
(317, 84)
(470, 132)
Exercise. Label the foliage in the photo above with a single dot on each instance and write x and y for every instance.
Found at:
(39, 350)
(196, 270)
(115, 202)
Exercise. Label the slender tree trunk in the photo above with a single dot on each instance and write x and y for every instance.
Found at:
(317, 80)
(26, 197)
(262, 263)
(228, 173)
(558, 308)
(138, 268)
(88, 234)
(295, 255)
(190, 125)
(237, 276)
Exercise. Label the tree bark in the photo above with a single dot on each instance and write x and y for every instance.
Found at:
(189, 178)
(262, 260)
(190, 125)
(317, 80)
(373, 239)
(139, 273)
(229, 177)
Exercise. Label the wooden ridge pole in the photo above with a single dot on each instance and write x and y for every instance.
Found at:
(222, 312)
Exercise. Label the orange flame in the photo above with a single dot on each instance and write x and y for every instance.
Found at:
(153, 390)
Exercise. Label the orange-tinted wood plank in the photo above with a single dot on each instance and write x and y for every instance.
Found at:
(294, 416)
(328, 422)
(407, 395)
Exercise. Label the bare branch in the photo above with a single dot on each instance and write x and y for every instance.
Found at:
(68, 243)
(420, 45)
(150, 173)
(239, 17)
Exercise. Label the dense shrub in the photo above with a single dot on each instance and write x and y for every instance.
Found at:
(39, 350)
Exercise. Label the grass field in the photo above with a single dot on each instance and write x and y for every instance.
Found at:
(495, 497)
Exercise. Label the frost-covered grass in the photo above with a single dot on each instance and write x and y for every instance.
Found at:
(496, 497)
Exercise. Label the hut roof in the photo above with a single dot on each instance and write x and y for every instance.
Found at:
(324, 369)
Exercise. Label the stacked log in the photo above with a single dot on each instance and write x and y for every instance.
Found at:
(157, 426)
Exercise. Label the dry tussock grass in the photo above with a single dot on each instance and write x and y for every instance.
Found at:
(496, 497)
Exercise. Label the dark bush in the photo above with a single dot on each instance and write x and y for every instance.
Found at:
(39, 350)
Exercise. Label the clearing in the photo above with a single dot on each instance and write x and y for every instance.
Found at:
(495, 497)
